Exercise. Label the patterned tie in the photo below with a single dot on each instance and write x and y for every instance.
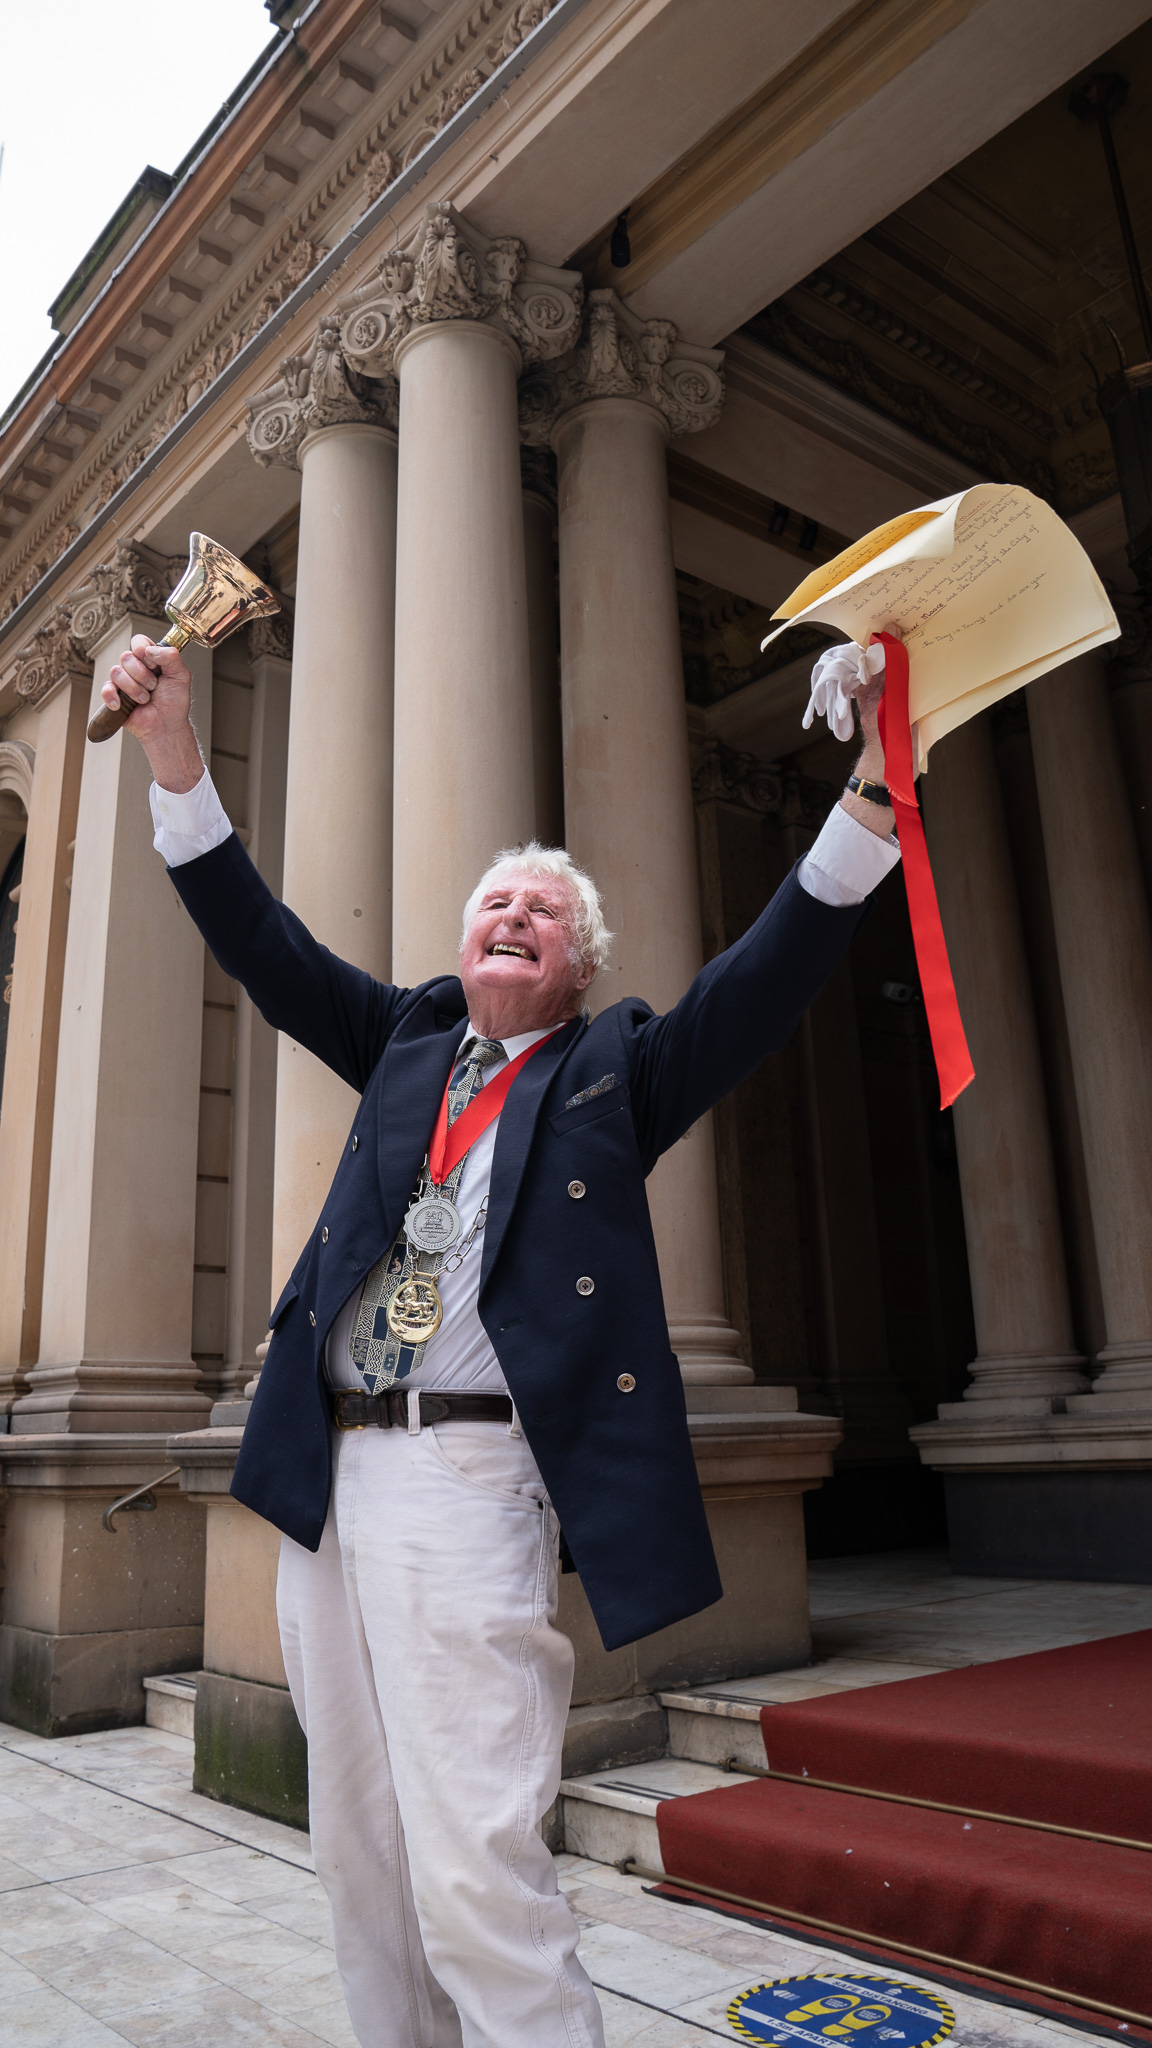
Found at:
(380, 1357)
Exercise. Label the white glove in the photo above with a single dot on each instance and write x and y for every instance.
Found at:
(838, 674)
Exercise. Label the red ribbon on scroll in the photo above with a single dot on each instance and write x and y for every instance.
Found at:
(953, 1060)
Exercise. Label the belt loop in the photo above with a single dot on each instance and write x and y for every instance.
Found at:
(514, 1428)
(413, 1413)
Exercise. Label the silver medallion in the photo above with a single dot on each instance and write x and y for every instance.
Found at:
(433, 1224)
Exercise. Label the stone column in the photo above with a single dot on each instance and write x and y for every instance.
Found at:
(1130, 678)
(337, 858)
(627, 780)
(54, 675)
(1026, 1351)
(1104, 939)
(456, 316)
(538, 475)
(115, 1346)
(252, 1161)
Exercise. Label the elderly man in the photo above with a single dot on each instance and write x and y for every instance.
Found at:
(471, 1351)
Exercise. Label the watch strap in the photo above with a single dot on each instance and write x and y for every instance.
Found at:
(872, 792)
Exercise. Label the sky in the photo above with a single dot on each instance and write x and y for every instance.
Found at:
(88, 96)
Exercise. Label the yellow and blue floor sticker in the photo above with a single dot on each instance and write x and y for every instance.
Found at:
(843, 2008)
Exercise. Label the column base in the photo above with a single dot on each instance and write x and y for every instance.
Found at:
(709, 1354)
(756, 1459)
(250, 1749)
(1027, 1376)
(1056, 1496)
(1124, 1382)
(109, 1395)
(1088, 1525)
(89, 1613)
(71, 1684)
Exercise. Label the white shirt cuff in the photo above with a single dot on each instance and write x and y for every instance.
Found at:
(187, 826)
(847, 861)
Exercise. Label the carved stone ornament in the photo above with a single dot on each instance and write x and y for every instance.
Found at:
(137, 579)
(380, 168)
(458, 91)
(305, 255)
(317, 389)
(621, 356)
(54, 656)
(272, 636)
(721, 775)
(450, 271)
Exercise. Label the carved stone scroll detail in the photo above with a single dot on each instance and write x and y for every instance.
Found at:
(315, 390)
(450, 271)
(137, 579)
(53, 657)
(619, 355)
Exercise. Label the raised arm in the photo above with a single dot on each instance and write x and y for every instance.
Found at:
(339, 1012)
(747, 1002)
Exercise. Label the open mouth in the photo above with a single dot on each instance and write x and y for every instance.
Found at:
(517, 952)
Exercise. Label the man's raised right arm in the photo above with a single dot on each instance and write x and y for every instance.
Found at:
(338, 1011)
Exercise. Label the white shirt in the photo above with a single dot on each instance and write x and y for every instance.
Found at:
(846, 863)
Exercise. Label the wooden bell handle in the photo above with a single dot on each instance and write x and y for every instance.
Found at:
(107, 721)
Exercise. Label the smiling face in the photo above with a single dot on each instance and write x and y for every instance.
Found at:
(517, 961)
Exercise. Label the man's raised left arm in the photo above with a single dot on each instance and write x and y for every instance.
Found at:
(747, 1002)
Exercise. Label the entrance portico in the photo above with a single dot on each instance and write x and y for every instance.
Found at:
(519, 498)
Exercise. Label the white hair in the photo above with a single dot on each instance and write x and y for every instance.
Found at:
(591, 939)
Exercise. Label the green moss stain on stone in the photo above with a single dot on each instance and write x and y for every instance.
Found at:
(250, 1748)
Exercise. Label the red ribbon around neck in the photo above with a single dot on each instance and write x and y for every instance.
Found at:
(449, 1146)
(953, 1060)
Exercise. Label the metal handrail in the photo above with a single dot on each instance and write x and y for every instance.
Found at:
(126, 1499)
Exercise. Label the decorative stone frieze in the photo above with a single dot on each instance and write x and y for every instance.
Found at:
(137, 579)
(621, 356)
(380, 169)
(53, 657)
(460, 90)
(722, 775)
(450, 271)
(315, 390)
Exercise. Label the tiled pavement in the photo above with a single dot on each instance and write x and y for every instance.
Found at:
(135, 1910)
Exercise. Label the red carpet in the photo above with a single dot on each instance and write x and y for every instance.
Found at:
(1064, 1736)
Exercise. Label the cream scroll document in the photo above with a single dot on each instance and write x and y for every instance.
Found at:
(987, 589)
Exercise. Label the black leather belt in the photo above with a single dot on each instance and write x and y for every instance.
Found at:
(352, 1409)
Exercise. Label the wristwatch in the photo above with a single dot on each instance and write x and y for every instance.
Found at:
(872, 792)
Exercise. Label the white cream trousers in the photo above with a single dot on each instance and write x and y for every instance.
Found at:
(433, 1685)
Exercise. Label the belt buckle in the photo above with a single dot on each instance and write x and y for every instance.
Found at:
(344, 1427)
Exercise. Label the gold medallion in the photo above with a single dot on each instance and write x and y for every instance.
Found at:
(415, 1311)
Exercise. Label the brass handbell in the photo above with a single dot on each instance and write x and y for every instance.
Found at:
(215, 595)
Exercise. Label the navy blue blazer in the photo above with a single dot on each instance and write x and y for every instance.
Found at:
(599, 1102)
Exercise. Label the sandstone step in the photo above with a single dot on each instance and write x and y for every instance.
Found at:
(610, 1815)
(709, 1726)
(170, 1702)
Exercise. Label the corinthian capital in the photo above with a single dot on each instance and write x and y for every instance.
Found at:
(621, 356)
(317, 389)
(450, 271)
(136, 579)
(53, 657)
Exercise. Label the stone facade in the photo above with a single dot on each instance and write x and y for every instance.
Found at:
(530, 510)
